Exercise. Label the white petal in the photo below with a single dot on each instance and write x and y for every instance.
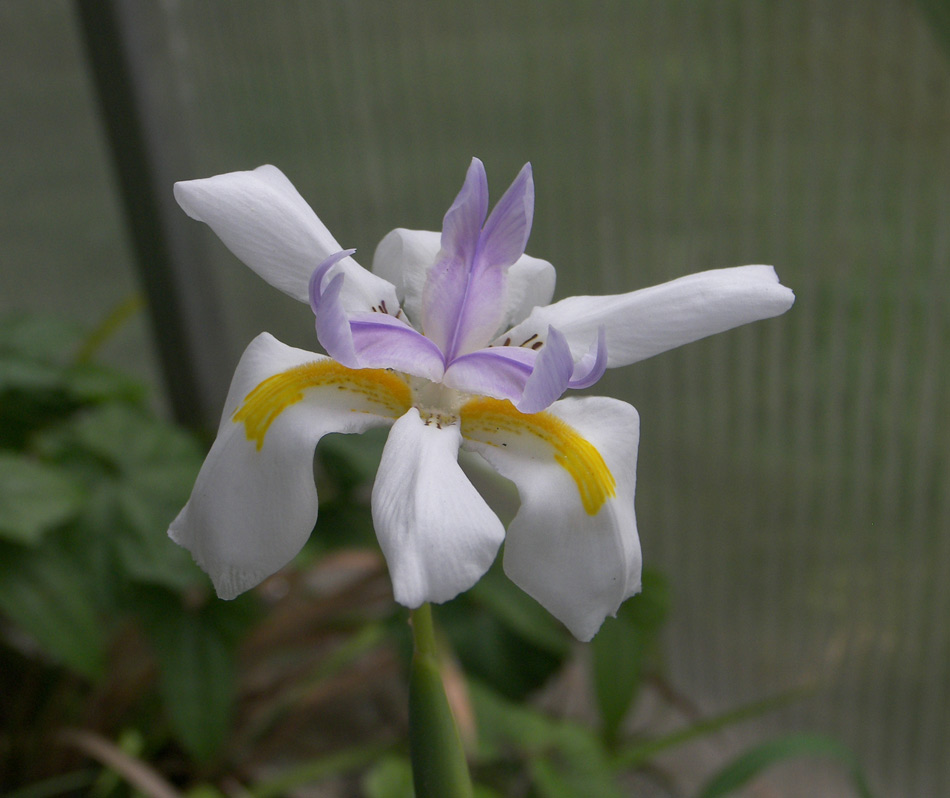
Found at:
(646, 322)
(573, 545)
(438, 534)
(253, 507)
(404, 258)
(530, 284)
(264, 221)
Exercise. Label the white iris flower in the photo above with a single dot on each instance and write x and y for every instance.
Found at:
(451, 342)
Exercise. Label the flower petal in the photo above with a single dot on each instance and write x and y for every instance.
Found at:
(498, 371)
(506, 232)
(530, 284)
(463, 221)
(439, 536)
(591, 367)
(254, 503)
(264, 221)
(550, 377)
(405, 257)
(646, 322)
(464, 298)
(573, 545)
(368, 340)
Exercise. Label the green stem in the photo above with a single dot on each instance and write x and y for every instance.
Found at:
(439, 769)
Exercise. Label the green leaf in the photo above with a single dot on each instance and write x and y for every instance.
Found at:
(45, 591)
(503, 636)
(520, 613)
(391, 777)
(751, 763)
(621, 649)
(352, 459)
(34, 498)
(195, 654)
(130, 440)
(564, 759)
(640, 753)
(39, 337)
(147, 468)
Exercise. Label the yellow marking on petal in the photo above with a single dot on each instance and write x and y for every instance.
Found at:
(377, 390)
(485, 419)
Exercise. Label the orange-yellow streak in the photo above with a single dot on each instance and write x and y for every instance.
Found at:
(375, 391)
(489, 420)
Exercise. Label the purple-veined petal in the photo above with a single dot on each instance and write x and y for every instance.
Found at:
(264, 221)
(464, 300)
(591, 366)
(506, 232)
(551, 375)
(573, 544)
(330, 319)
(652, 320)
(383, 341)
(498, 371)
(463, 221)
(405, 257)
(368, 340)
(437, 533)
(254, 503)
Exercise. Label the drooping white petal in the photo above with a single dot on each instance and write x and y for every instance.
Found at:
(404, 258)
(254, 503)
(264, 221)
(437, 533)
(652, 320)
(573, 544)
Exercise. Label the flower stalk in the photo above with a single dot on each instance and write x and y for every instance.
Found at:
(439, 769)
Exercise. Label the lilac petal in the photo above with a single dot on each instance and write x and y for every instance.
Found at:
(506, 232)
(317, 278)
(330, 320)
(499, 371)
(333, 327)
(591, 366)
(364, 339)
(463, 221)
(383, 341)
(449, 282)
(405, 258)
(551, 376)
(465, 296)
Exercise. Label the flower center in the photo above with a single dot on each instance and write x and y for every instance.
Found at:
(437, 403)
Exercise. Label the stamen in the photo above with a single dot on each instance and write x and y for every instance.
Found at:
(487, 420)
(526, 340)
(376, 391)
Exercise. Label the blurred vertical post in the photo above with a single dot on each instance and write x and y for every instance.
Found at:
(143, 124)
